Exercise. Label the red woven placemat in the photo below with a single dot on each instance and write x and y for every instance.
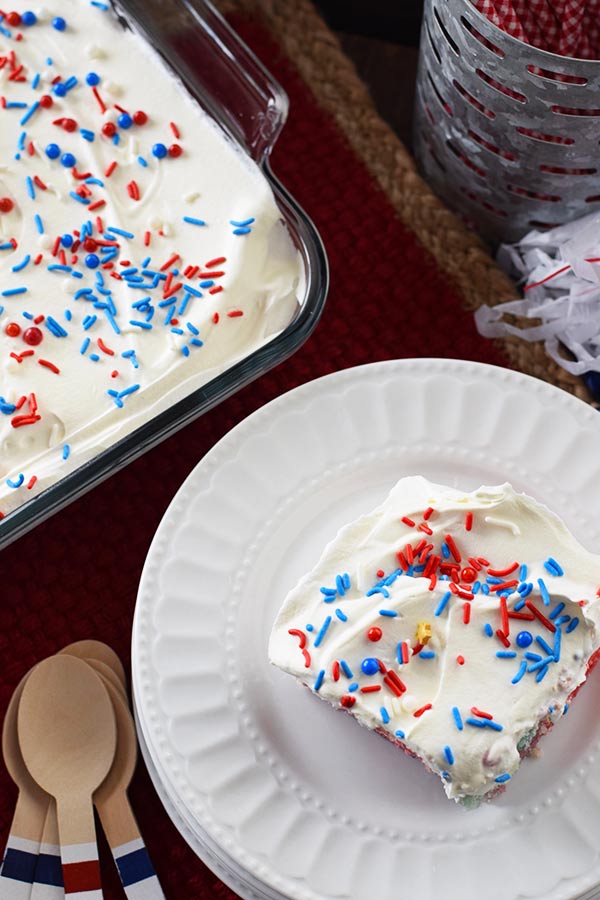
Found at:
(76, 576)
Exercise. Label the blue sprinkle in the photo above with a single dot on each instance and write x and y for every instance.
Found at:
(519, 605)
(125, 121)
(524, 639)
(57, 268)
(243, 223)
(88, 322)
(541, 674)
(399, 734)
(159, 151)
(142, 162)
(485, 588)
(557, 642)
(572, 625)
(27, 315)
(523, 572)
(502, 778)
(38, 223)
(131, 390)
(93, 79)
(562, 620)
(241, 231)
(449, 755)
(426, 654)
(445, 550)
(544, 645)
(553, 567)
(17, 483)
(520, 673)
(88, 135)
(346, 668)
(566, 709)
(378, 590)
(477, 723)
(323, 631)
(191, 221)
(59, 23)
(12, 292)
(145, 325)
(185, 351)
(391, 613)
(556, 611)
(125, 234)
(66, 451)
(36, 81)
(84, 346)
(177, 331)
(28, 18)
(339, 583)
(385, 716)
(341, 616)
(94, 357)
(370, 665)
(346, 580)
(310, 627)
(83, 200)
(442, 604)
(68, 315)
(22, 265)
(353, 687)
(68, 160)
(92, 261)
(476, 587)
(525, 589)
(534, 657)
(194, 330)
(488, 629)
(493, 725)
(29, 113)
(53, 326)
(457, 718)
(319, 680)
(505, 654)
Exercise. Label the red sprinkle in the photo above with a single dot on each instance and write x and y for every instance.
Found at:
(503, 586)
(101, 103)
(453, 548)
(540, 615)
(500, 573)
(424, 528)
(33, 336)
(467, 613)
(6, 205)
(481, 713)
(374, 634)
(428, 512)
(171, 261)
(370, 689)
(12, 329)
(175, 150)
(348, 701)
(235, 313)
(295, 632)
(419, 712)
(46, 101)
(219, 260)
(380, 573)
(110, 169)
(215, 318)
(468, 521)
(49, 365)
(335, 670)
(104, 348)
(175, 130)
(460, 660)
(19, 421)
(394, 683)
(503, 638)
(31, 482)
(504, 614)
(468, 574)
(215, 290)
(140, 117)
(147, 239)
(407, 521)
(114, 373)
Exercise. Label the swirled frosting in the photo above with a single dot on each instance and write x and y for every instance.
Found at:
(141, 253)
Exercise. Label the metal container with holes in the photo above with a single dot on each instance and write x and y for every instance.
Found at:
(506, 134)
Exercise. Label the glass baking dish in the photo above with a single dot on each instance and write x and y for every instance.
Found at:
(229, 82)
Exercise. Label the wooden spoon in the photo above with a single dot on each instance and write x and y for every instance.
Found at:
(67, 734)
(23, 843)
(118, 821)
(49, 859)
(97, 650)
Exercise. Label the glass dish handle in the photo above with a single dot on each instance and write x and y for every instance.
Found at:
(216, 66)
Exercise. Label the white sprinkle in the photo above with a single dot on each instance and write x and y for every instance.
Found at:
(503, 523)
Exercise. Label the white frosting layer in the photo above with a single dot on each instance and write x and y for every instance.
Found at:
(334, 607)
(211, 182)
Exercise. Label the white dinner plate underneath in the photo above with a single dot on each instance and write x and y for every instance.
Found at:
(297, 799)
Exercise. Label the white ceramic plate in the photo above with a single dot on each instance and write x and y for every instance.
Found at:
(296, 798)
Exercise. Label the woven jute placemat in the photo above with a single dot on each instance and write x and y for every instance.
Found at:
(458, 252)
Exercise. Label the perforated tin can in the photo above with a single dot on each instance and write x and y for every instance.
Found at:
(506, 134)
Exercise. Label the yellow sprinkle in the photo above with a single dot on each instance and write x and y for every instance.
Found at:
(423, 632)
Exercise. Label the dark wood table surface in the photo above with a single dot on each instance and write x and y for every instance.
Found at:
(381, 37)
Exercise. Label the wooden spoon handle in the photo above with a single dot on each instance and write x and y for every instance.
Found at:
(22, 847)
(48, 878)
(136, 871)
(78, 847)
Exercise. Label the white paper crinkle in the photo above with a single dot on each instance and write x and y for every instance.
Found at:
(559, 271)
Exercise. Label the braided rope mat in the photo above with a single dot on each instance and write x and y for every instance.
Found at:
(336, 86)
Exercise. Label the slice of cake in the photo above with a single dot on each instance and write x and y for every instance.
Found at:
(457, 625)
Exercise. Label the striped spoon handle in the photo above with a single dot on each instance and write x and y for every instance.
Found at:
(78, 848)
(136, 871)
(22, 847)
(48, 879)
